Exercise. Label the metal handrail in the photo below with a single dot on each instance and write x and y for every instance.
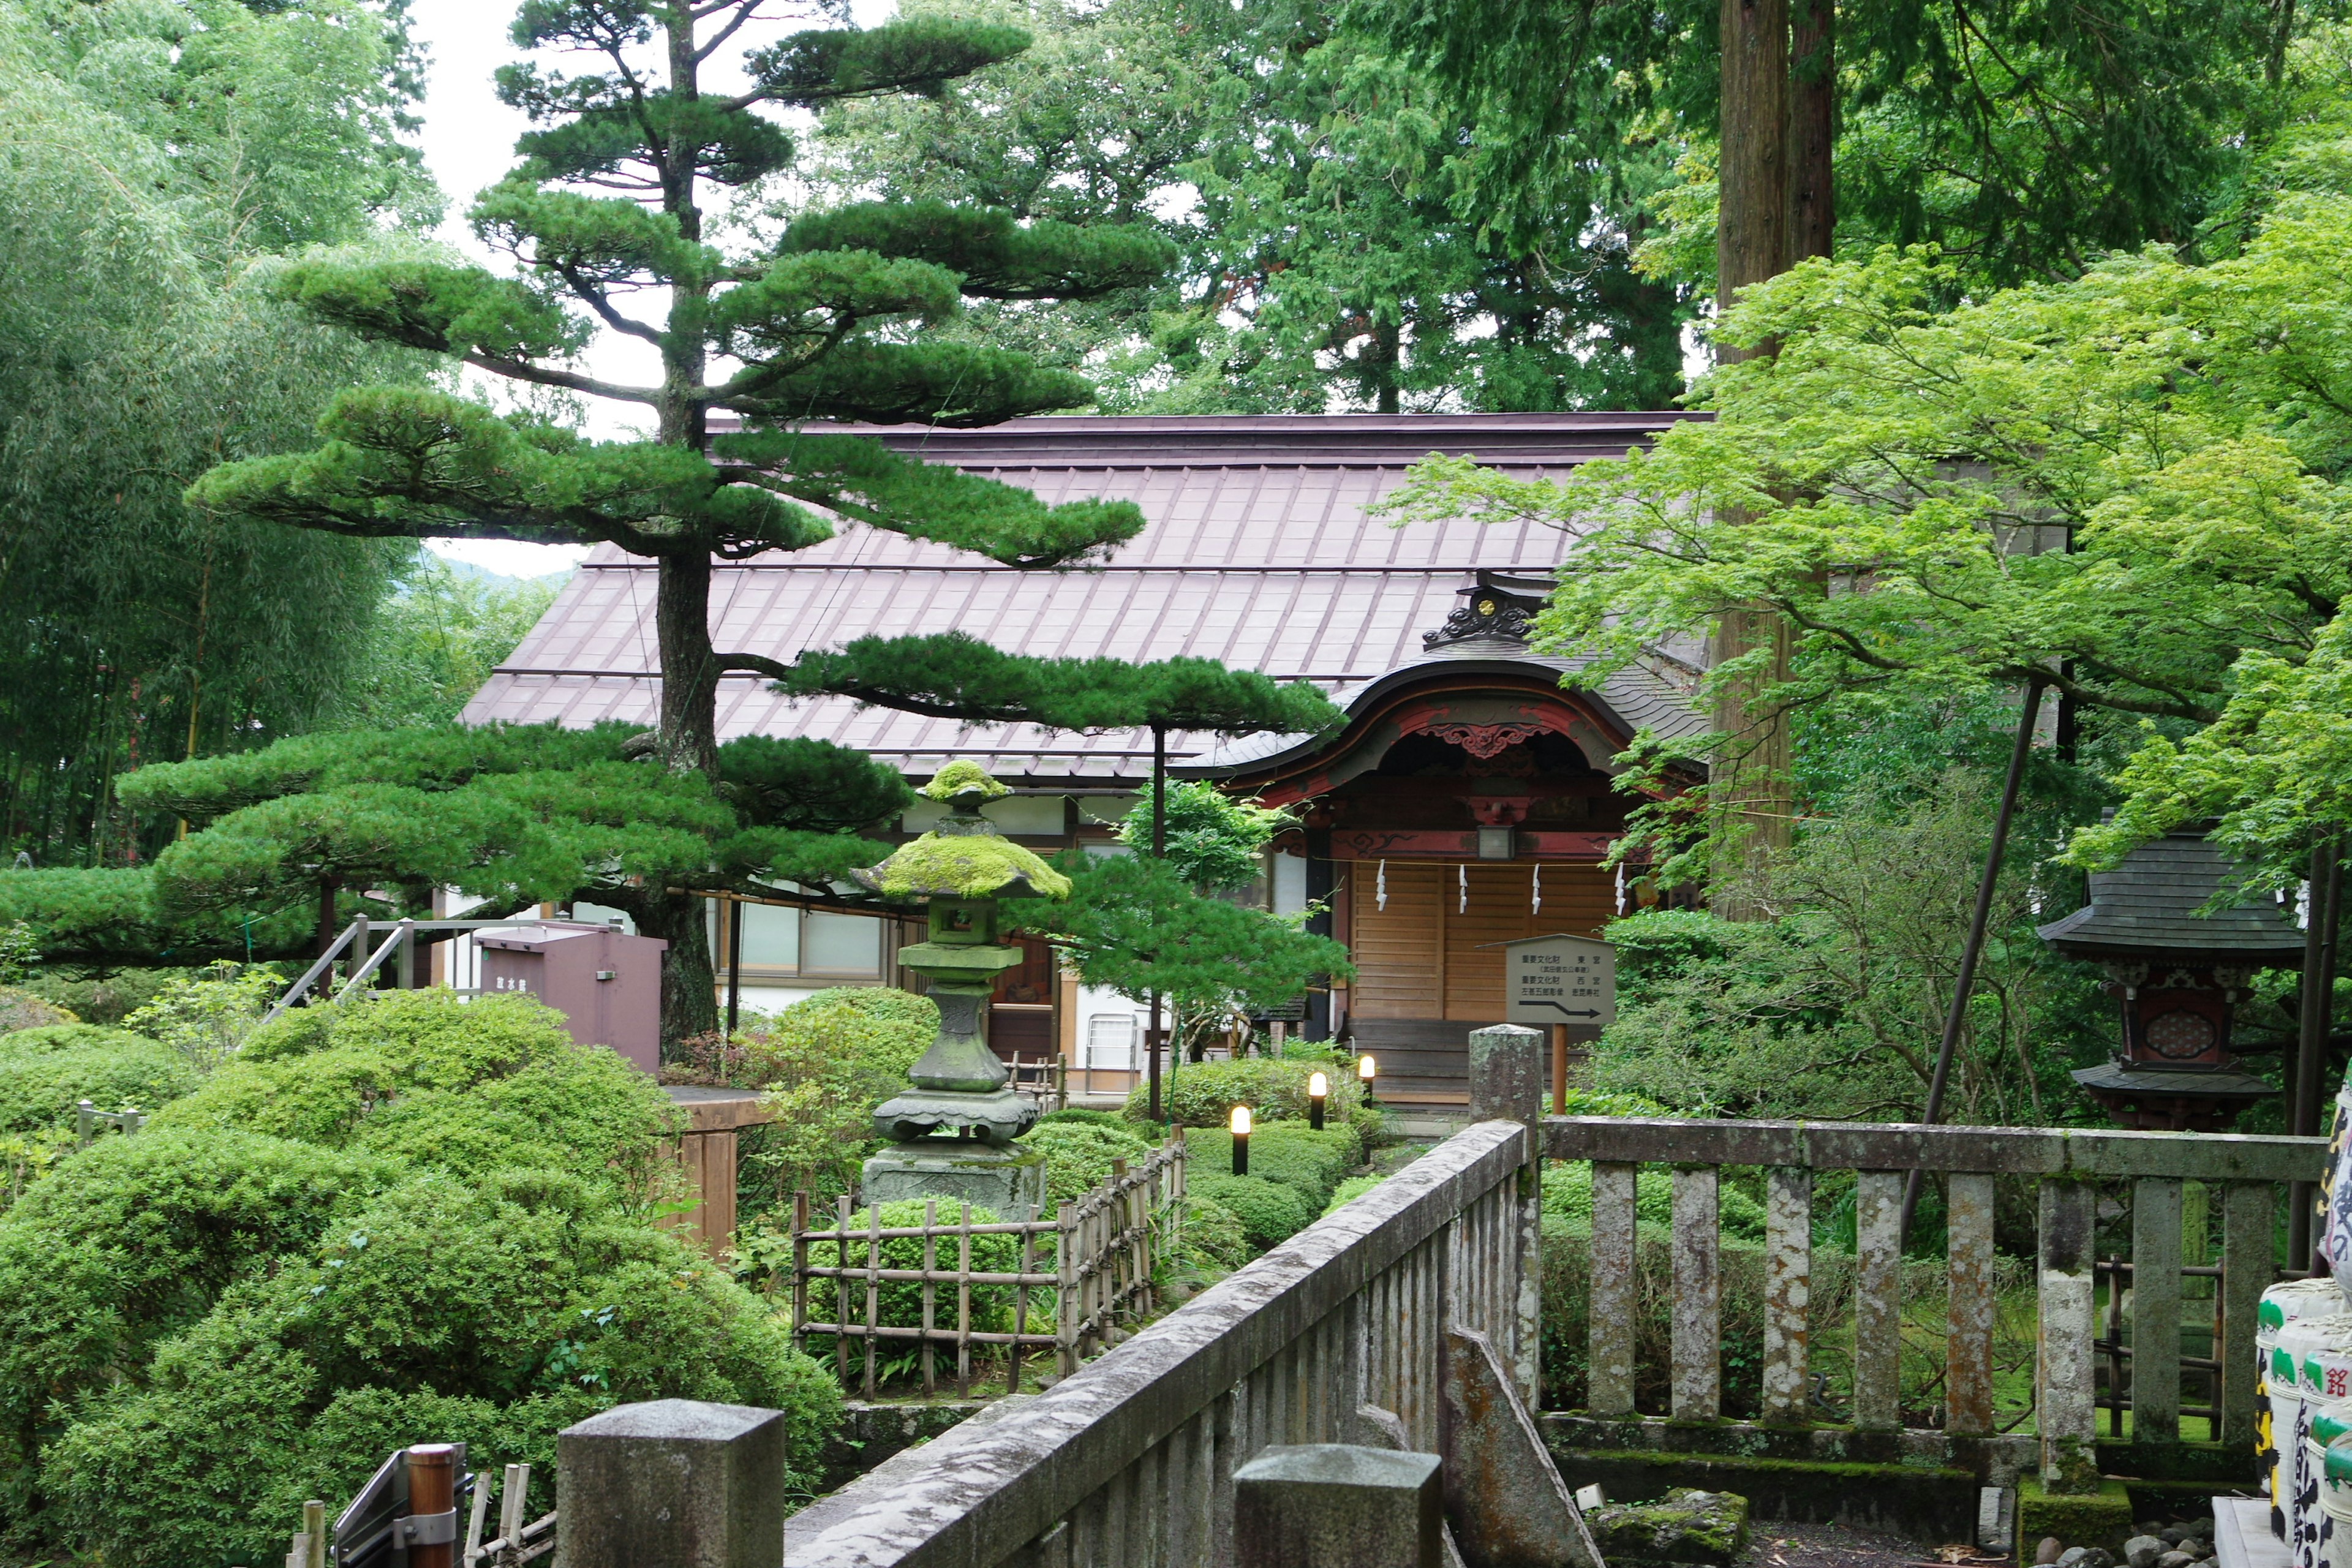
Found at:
(402, 931)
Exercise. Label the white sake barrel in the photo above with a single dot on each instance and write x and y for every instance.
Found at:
(2289, 1301)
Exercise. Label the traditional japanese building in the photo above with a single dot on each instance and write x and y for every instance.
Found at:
(1467, 801)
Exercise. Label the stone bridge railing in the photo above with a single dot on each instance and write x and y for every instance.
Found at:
(1333, 1337)
(2079, 1180)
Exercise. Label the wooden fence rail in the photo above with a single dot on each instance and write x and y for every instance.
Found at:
(1096, 1276)
(2068, 1169)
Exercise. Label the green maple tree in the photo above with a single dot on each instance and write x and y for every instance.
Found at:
(604, 217)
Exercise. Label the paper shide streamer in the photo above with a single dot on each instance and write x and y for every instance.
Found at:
(1462, 877)
(1381, 887)
(1536, 883)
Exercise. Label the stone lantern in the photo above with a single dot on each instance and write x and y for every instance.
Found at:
(2178, 976)
(952, 1132)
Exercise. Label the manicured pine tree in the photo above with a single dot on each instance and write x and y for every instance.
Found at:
(1142, 927)
(605, 217)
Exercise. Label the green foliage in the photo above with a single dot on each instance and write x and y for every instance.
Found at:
(1215, 842)
(825, 1062)
(19, 951)
(1203, 1094)
(1313, 1162)
(1348, 1191)
(588, 1311)
(1288, 1157)
(159, 154)
(902, 1301)
(1078, 1155)
(1351, 234)
(473, 1085)
(1270, 1212)
(2274, 772)
(954, 675)
(1212, 1240)
(434, 643)
(1568, 1196)
(1833, 1006)
(514, 814)
(101, 996)
(447, 1221)
(43, 1072)
(2180, 423)
(206, 1016)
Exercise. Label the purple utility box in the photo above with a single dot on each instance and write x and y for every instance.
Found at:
(606, 984)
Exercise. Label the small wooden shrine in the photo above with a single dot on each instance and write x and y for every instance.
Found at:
(2177, 976)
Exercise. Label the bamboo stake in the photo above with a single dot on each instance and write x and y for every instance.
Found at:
(963, 1305)
(873, 1287)
(799, 1268)
(930, 1290)
(841, 1290)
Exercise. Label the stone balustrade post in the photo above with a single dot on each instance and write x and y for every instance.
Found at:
(1509, 1070)
(673, 1483)
(1333, 1505)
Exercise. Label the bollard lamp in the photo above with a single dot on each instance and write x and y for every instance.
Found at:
(1319, 1087)
(1239, 1123)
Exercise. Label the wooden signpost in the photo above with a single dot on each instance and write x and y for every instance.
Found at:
(1565, 984)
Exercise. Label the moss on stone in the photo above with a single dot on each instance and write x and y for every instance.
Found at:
(956, 777)
(971, 866)
(1683, 1527)
(2103, 1518)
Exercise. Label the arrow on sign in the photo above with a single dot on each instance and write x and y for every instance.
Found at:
(1568, 1012)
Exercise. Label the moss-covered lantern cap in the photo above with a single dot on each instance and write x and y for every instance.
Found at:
(964, 857)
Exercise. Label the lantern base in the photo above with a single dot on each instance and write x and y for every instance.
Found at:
(2171, 1100)
(992, 1116)
(1006, 1182)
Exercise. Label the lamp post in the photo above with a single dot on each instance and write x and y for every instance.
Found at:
(1318, 1086)
(1240, 1124)
(1366, 1070)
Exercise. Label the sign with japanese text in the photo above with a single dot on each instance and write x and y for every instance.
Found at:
(1560, 980)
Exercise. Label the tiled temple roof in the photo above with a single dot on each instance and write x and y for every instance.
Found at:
(1258, 553)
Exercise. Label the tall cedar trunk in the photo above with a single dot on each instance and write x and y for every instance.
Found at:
(1751, 245)
(1812, 128)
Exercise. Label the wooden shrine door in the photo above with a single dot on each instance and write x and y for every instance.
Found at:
(1430, 952)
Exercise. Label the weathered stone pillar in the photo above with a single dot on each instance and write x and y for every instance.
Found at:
(1510, 1068)
(675, 1483)
(2065, 1413)
(1330, 1505)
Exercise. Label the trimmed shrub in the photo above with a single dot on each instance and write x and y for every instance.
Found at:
(1568, 1195)
(1083, 1116)
(1078, 1157)
(472, 1086)
(204, 1325)
(1351, 1189)
(1315, 1162)
(1205, 1093)
(1270, 1212)
(43, 1072)
(1294, 1154)
(825, 1062)
(509, 1307)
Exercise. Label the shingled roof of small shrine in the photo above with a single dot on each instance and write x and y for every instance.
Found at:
(1258, 552)
(2150, 903)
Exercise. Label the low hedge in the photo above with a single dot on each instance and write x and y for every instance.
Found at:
(1203, 1094)
(1078, 1157)
(1270, 1212)
(44, 1072)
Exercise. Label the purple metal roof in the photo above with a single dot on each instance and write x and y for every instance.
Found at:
(1257, 552)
